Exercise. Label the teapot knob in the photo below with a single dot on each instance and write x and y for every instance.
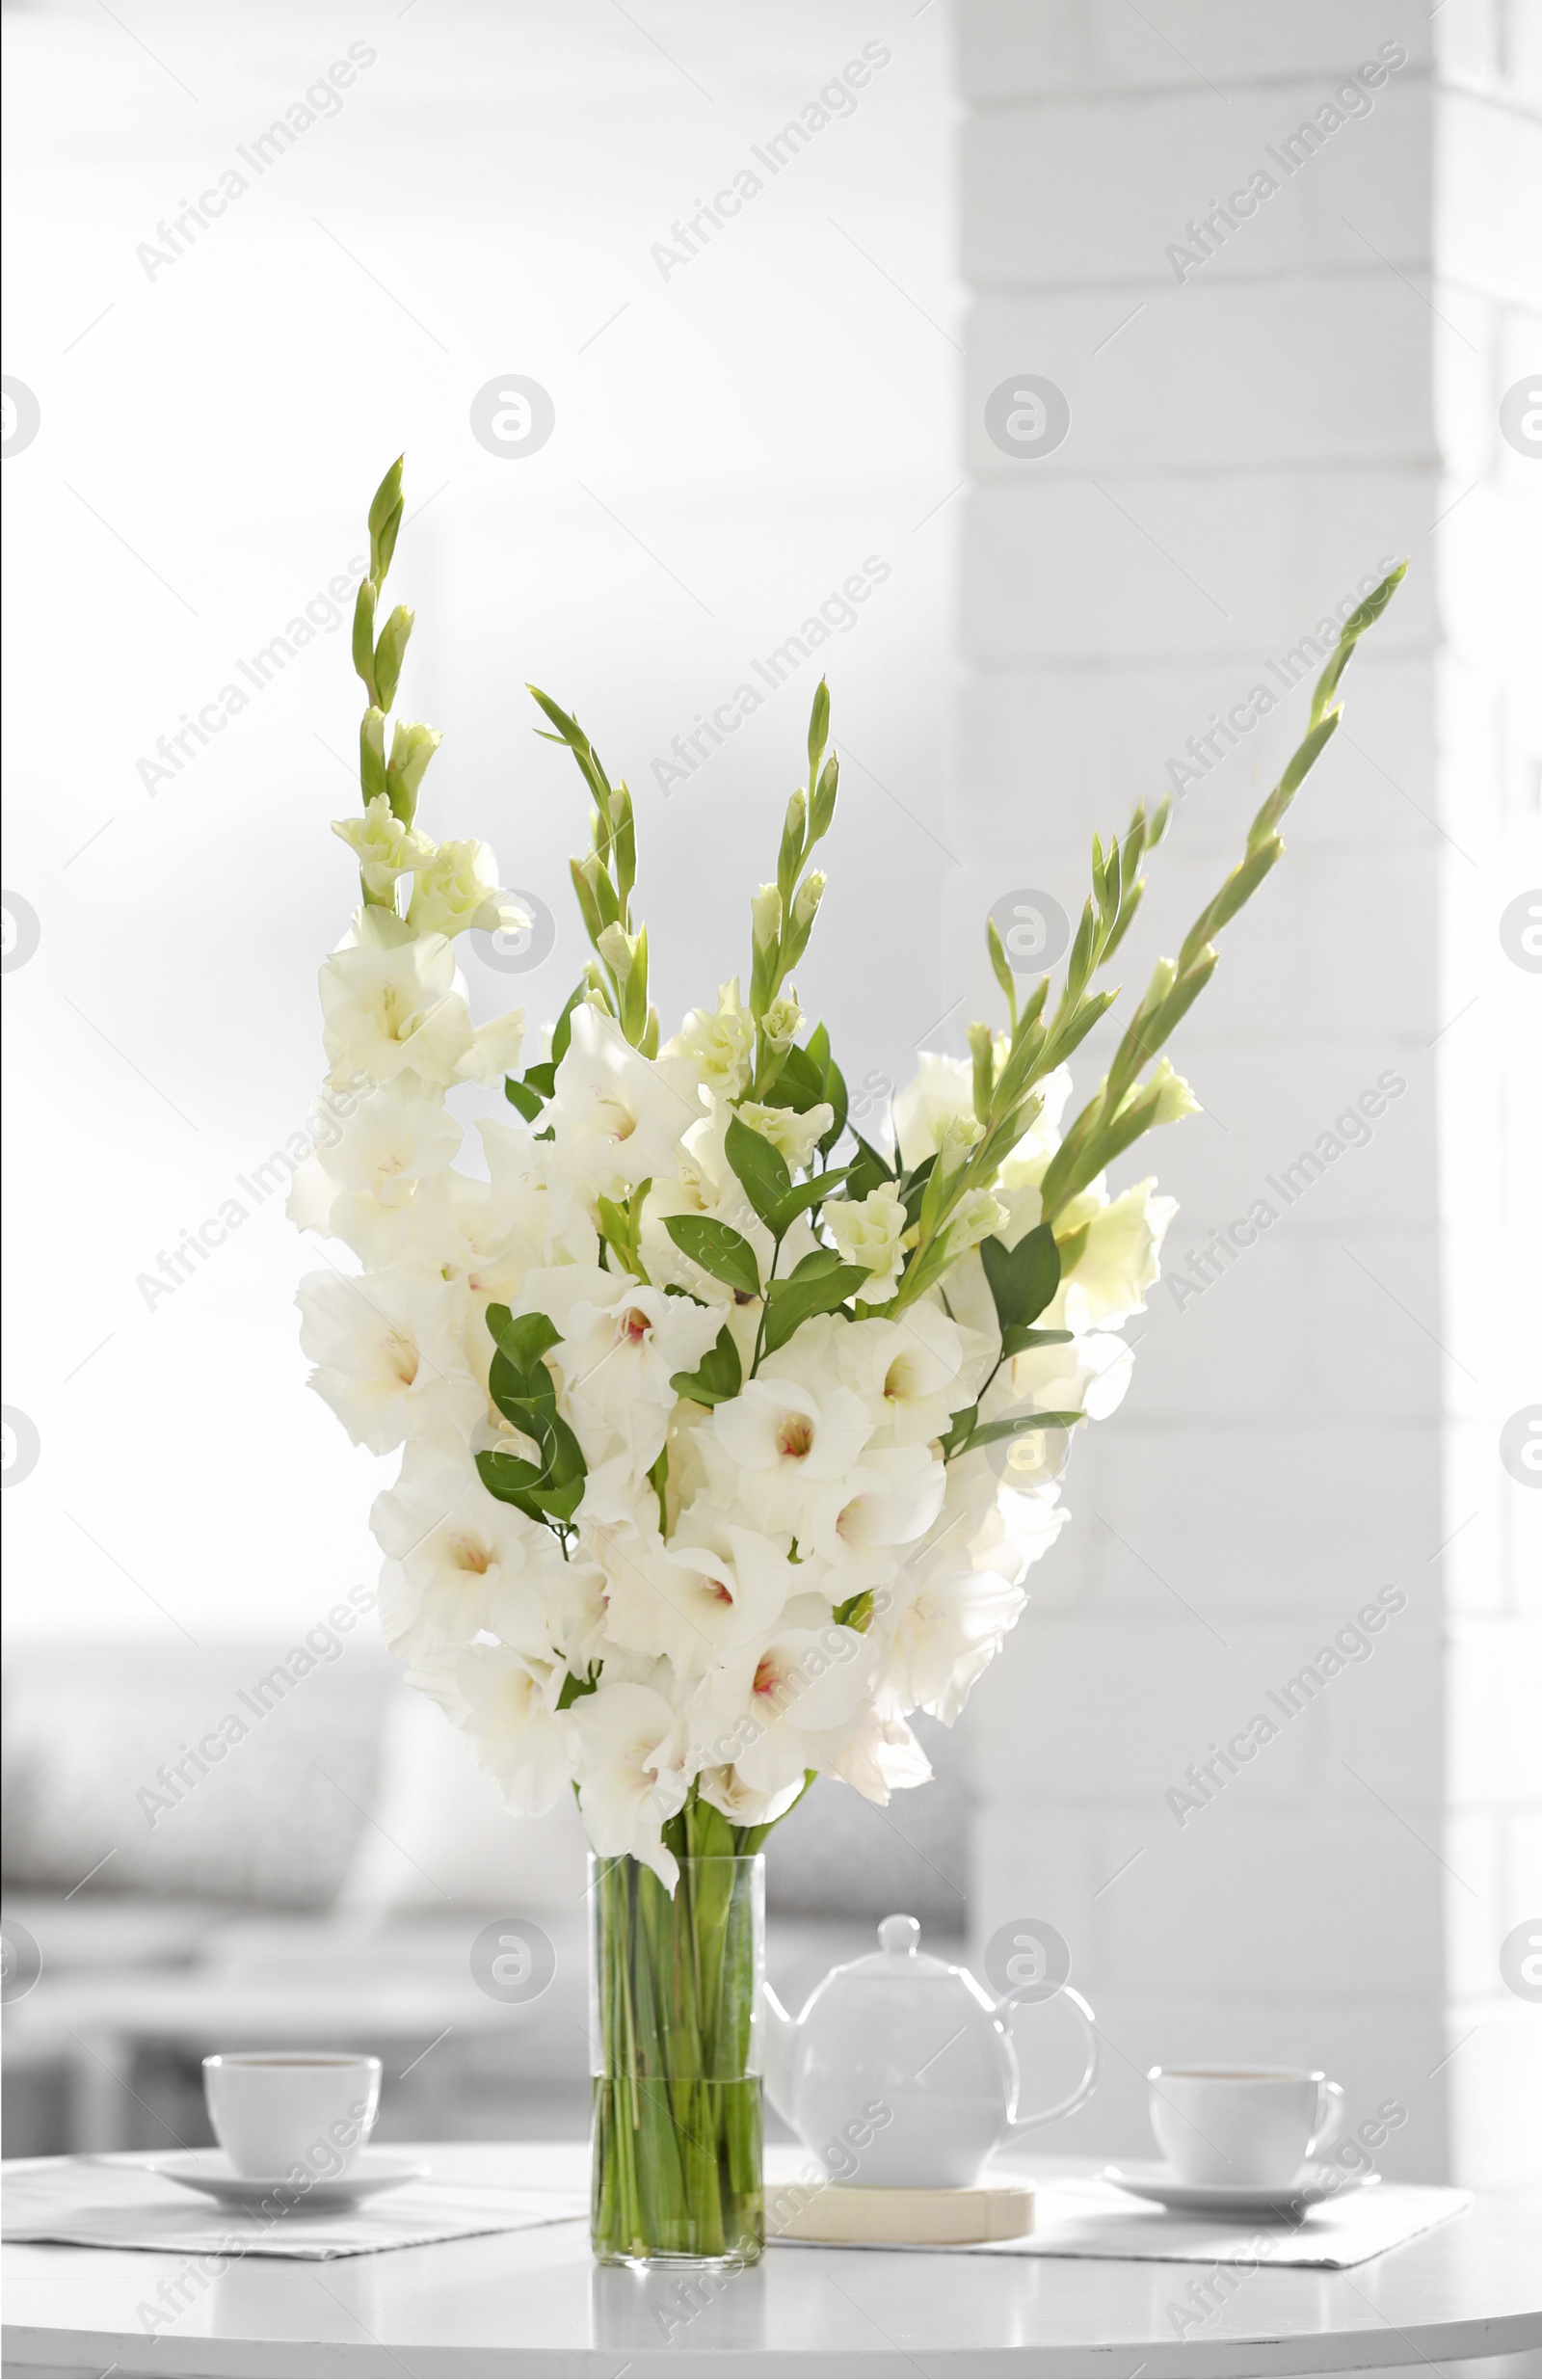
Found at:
(899, 1934)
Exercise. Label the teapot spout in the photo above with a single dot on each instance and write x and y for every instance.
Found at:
(780, 2034)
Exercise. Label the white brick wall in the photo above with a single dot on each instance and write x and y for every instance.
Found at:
(1246, 445)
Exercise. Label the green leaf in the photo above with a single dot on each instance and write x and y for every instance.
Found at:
(762, 1169)
(800, 1084)
(1016, 1339)
(510, 1480)
(562, 1031)
(523, 1096)
(1023, 1280)
(960, 1425)
(914, 1189)
(855, 1612)
(719, 1377)
(989, 1431)
(835, 1093)
(574, 1688)
(510, 1388)
(820, 1285)
(835, 1084)
(802, 1197)
(718, 1248)
(524, 1338)
(869, 1171)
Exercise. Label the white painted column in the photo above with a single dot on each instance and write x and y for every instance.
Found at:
(1264, 410)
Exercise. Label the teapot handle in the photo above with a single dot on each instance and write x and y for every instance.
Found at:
(1085, 2088)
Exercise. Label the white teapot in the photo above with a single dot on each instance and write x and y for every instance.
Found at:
(901, 2073)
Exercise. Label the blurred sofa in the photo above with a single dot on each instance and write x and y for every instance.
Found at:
(219, 1847)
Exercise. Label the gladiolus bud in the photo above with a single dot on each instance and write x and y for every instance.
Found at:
(372, 755)
(790, 857)
(385, 519)
(364, 632)
(1174, 1097)
(389, 654)
(413, 747)
(766, 917)
(617, 947)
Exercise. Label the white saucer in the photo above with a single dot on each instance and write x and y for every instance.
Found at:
(210, 2170)
(1312, 2185)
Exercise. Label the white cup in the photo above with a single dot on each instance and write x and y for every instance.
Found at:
(274, 2111)
(1250, 2127)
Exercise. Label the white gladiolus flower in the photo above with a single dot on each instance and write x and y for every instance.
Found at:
(946, 1636)
(384, 847)
(495, 1049)
(1089, 1376)
(796, 1136)
(982, 1526)
(942, 1093)
(387, 1356)
(782, 1021)
(912, 1368)
(718, 1043)
(786, 1444)
(741, 1806)
(507, 1705)
(389, 1003)
(765, 1709)
(881, 1758)
(461, 1564)
(662, 1627)
(617, 1117)
(456, 888)
(628, 1763)
(857, 1525)
(618, 1356)
(975, 1217)
(394, 1140)
(698, 1601)
(1120, 1260)
(868, 1231)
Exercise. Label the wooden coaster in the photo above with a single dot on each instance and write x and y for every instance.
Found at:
(901, 2218)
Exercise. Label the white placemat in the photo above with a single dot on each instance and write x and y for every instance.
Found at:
(107, 2204)
(1092, 2218)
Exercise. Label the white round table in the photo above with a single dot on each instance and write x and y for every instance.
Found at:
(534, 2301)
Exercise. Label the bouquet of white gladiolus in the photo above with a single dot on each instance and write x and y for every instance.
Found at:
(728, 1434)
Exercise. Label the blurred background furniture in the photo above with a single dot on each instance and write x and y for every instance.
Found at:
(323, 1885)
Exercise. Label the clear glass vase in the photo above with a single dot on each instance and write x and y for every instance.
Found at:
(675, 2022)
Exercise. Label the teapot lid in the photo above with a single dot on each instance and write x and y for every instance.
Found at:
(897, 1953)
